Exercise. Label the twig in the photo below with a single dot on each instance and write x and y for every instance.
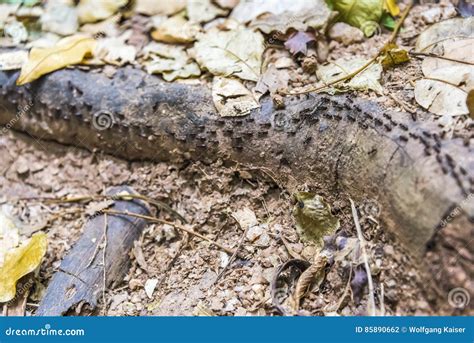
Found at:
(177, 226)
(371, 304)
(429, 54)
(392, 38)
(87, 198)
(231, 259)
(104, 310)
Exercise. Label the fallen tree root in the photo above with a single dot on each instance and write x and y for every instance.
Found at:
(332, 143)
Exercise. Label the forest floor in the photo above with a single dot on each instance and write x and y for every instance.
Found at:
(205, 195)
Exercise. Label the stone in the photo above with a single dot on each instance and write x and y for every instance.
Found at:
(345, 34)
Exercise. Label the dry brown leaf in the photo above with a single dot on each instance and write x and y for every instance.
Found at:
(69, 51)
(231, 98)
(231, 53)
(176, 30)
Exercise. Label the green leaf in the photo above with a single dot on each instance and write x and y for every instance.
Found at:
(364, 14)
(388, 22)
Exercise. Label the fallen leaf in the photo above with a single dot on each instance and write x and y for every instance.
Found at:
(452, 28)
(365, 80)
(171, 61)
(391, 7)
(246, 217)
(20, 261)
(176, 30)
(16, 32)
(449, 77)
(393, 55)
(107, 27)
(313, 217)
(465, 8)
(59, 17)
(272, 80)
(231, 53)
(470, 103)
(440, 98)
(68, 51)
(227, 3)
(363, 14)
(298, 42)
(154, 7)
(13, 60)
(114, 50)
(202, 11)
(150, 286)
(231, 98)
(281, 15)
(91, 11)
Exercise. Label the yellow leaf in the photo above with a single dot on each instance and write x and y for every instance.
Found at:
(392, 7)
(19, 262)
(393, 55)
(66, 52)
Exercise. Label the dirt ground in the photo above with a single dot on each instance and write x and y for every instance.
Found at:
(205, 195)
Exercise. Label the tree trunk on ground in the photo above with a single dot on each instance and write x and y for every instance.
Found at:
(332, 143)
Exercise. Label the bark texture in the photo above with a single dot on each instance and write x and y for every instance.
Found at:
(332, 143)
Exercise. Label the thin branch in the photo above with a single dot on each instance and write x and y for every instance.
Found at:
(360, 236)
(177, 226)
(429, 54)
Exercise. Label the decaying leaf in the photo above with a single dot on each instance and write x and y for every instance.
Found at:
(91, 11)
(272, 80)
(115, 51)
(231, 53)
(313, 217)
(393, 55)
(470, 103)
(311, 277)
(68, 51)
(154, 7)
(107, 27)
(365, 80)
(16, 32)
(298, 42)
(171, 61)
(449, 77)
(281, 15)
(201, 11)
(13, 60)
(176, 30)
(363, 14)
(20, 261)
(231, 98)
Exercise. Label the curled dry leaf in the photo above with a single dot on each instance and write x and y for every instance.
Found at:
(313, 276)
(231, 53)
(231, 98)
(13, 60)
(20, 261)
(176, 30)
(68, 51)
(171, 61)
(313, 217)
(91, 11)
(281, 15)
(201, 11)
(114, 50)
(448, 79)
(365, 80)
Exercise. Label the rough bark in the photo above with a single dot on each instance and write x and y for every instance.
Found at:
(333, 143)
(80, 279)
